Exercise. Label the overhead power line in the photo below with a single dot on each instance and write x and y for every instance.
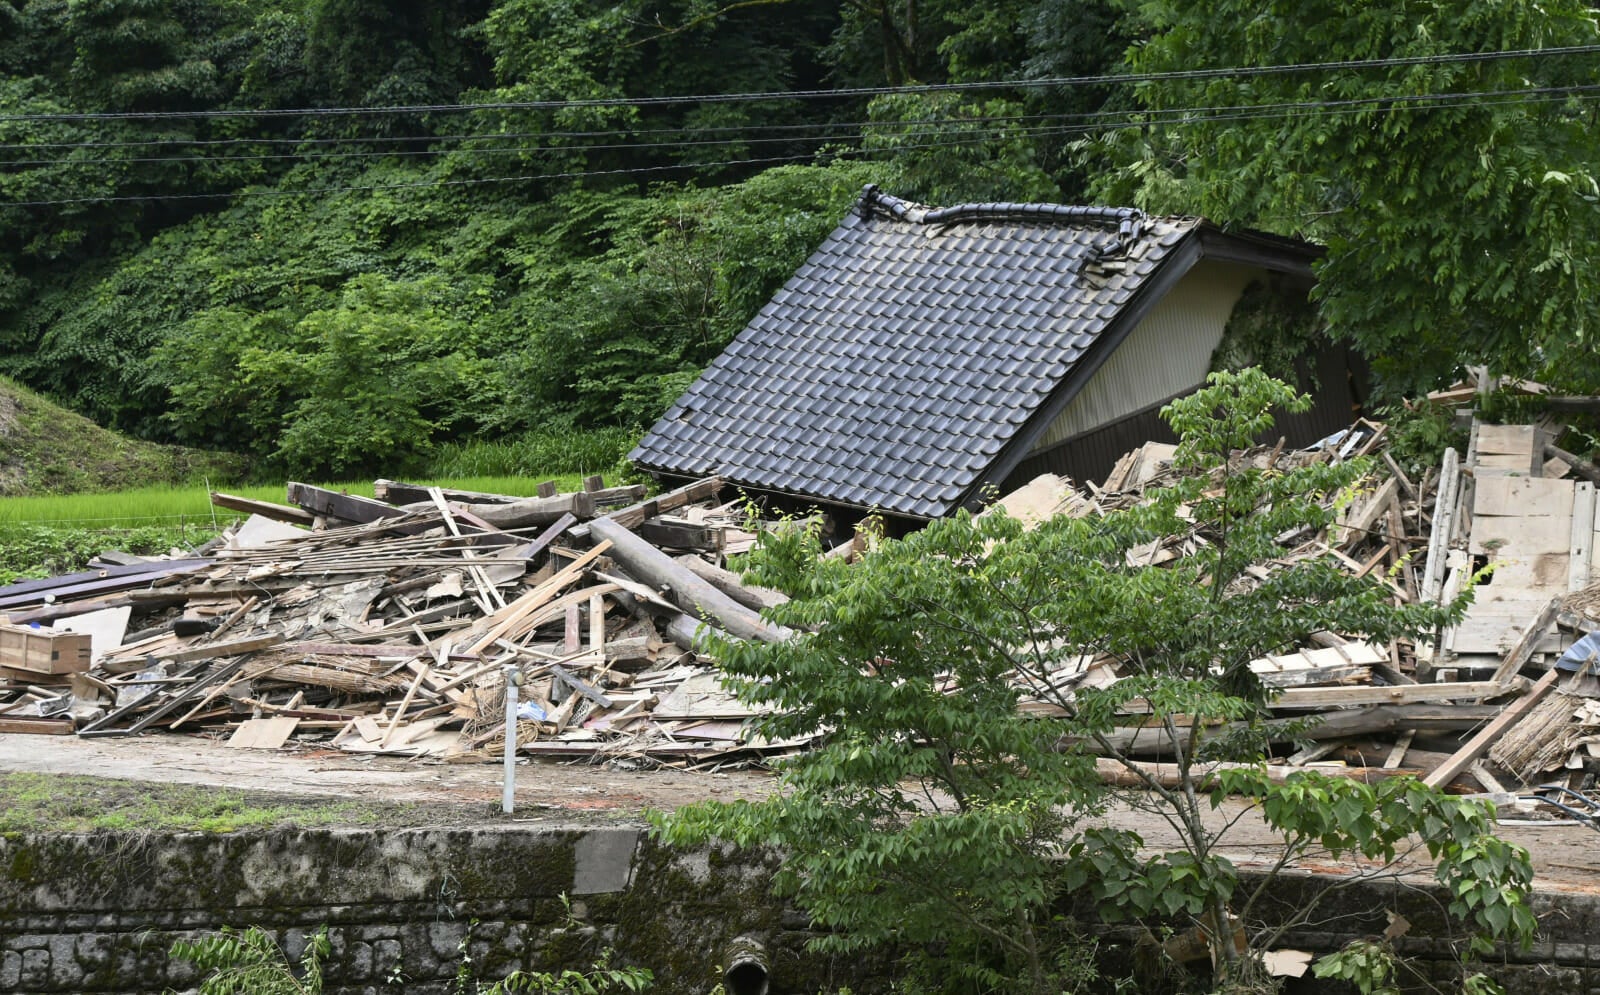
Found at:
(947, 129)
(1132, 119)
(1235, 72)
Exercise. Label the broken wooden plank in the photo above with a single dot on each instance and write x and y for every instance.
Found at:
(1407, 694)
(581, 687)
(30, 725)
(397, 492)
(633, 515)
(215, 650)
(1477, 745)
(1519, 655)
(263, 734)
(266, 509)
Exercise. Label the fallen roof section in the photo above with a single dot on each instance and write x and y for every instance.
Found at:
(916, 355)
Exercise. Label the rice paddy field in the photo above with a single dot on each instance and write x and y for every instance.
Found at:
(190, 505)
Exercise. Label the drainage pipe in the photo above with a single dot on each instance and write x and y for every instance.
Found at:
(746, 973)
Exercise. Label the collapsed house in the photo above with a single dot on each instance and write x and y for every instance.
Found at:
(391, 626)
(923, 358)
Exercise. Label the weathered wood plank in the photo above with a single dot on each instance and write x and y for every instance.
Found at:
(1477, 745)
(1407, 694)
(266, 509)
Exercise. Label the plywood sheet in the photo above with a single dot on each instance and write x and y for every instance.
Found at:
(1521, 537)
(1505, 439)
(1541, 571)
(106, 629)
(1497, 617)
(263, 734)
(1523, 497)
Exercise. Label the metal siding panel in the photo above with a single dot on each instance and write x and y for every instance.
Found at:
(1167, 354)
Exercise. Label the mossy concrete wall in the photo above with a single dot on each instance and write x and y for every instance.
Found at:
(409, 909)
(406, 909)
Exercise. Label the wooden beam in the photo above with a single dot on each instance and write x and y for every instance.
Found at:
(535, 511)
(266, 509)
(688, 591)
(1404, 695)
(345, 507)
(1486, 737)
(399, 492)
(729, 583)
(636, 514)
(1519, 654)
(679, 535)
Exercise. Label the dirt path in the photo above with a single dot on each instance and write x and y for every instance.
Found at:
(1565, 857)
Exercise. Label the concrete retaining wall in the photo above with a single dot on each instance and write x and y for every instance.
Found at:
(409, 909)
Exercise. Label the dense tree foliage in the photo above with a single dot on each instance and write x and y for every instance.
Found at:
(940, 820)
(1457, 198)
(200, 243)
(206, 205)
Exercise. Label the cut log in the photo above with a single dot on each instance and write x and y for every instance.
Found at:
(1345, 724)
(686, 589)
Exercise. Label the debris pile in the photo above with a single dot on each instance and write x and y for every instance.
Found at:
(391, 626)
(1487, 706)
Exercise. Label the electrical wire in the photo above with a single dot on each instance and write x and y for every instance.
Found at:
(948, 134)
(1343, 108)
(1236, 72)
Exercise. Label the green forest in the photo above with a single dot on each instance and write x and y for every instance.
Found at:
(338, 235)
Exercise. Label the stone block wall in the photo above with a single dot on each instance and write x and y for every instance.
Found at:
(409, 909)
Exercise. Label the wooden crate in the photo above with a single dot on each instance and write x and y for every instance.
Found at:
(43, 651)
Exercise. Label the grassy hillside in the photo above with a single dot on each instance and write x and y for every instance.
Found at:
(46, 449)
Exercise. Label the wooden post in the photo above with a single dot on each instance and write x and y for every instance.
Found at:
(689, 592)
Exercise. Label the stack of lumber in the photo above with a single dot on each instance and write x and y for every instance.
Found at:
(391, 626)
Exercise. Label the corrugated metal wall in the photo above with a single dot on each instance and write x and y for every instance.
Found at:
(1166, 355)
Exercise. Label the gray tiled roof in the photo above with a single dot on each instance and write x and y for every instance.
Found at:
(894, 366)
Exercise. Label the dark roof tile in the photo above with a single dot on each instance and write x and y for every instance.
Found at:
(908, 351)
